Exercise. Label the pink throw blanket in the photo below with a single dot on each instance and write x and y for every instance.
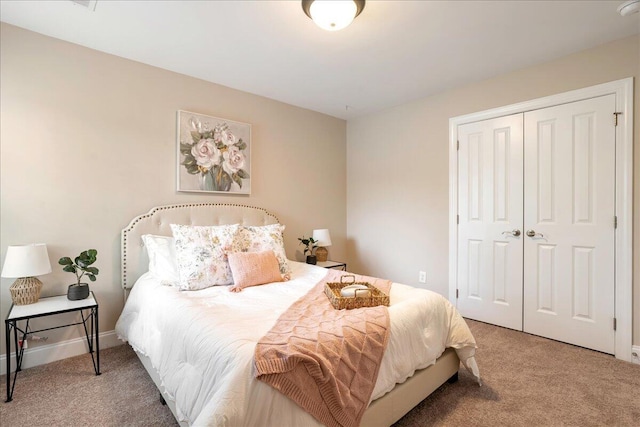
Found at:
(326, 360)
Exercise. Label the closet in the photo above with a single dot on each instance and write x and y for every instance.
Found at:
(535, 224)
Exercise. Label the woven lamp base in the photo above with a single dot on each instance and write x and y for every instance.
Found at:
(321, 254)
(25, 290)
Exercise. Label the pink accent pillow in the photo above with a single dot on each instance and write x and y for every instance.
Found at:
(253, 268)
(264, 238)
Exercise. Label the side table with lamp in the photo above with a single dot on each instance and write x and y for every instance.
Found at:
(24, 263)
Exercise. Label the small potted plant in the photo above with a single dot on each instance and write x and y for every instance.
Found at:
(80, 266)
(310, 245)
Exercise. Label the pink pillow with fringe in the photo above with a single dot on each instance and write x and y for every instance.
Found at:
(253, 268)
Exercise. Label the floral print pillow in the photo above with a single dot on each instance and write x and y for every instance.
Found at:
(264, 238)
(201, 254)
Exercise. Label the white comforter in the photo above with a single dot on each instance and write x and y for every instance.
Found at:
(201, 343)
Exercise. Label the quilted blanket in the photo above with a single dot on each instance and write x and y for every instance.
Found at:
(326, 360)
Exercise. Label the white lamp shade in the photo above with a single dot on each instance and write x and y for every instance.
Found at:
(333, 15)
(323, 237)
(26, 261)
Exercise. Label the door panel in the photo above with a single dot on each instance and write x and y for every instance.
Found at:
(569, 190)
(490, 207)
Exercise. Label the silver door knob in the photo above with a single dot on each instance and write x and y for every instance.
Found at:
(514, 232)
(532, 233)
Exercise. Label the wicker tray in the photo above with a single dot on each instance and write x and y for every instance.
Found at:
(332, 291)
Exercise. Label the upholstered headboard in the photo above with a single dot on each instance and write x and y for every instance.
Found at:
(134, 261)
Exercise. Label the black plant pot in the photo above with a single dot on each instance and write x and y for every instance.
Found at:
(78, 291)
(312, 259)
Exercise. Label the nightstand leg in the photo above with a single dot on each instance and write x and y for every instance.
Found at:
(19, 351)
(92, 334)
(7, 338)
(97, 335)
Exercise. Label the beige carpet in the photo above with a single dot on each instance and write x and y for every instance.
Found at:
(528, 381)
(533, 381)
(68, 393)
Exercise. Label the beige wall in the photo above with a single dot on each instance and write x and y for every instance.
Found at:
(88, 142)
(397, 165)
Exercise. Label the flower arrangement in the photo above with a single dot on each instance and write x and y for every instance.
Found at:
(216, 155)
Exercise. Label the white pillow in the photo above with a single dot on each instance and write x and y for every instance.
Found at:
(162, 258)
(265, 238)
(201, 254)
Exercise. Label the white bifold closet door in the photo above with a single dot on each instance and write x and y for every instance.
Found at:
(490, 219)
(536, 222)
(569, 193)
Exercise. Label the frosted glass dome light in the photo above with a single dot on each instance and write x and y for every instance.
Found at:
(332, 15)
(629, 7)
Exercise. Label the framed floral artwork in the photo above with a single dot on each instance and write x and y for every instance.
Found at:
(214, 154)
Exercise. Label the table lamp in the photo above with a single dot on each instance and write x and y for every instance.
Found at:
(24, 262)
(323, 238)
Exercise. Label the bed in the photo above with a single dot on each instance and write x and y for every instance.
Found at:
(200, 357)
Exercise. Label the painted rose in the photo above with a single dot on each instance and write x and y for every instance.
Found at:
(233, 160)
(223, 134)
(205, 153)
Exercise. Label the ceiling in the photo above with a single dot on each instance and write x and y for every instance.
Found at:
(393, 53)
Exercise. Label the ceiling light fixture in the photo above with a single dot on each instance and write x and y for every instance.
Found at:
(629, 7)
(332, 15)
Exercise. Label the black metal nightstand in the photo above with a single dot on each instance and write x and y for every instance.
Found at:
(48, 307)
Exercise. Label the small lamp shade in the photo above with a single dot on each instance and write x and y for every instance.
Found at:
(24, 263)
(323, 238)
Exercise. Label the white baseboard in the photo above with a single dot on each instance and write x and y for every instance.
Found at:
(44, 354)
(635, 350)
